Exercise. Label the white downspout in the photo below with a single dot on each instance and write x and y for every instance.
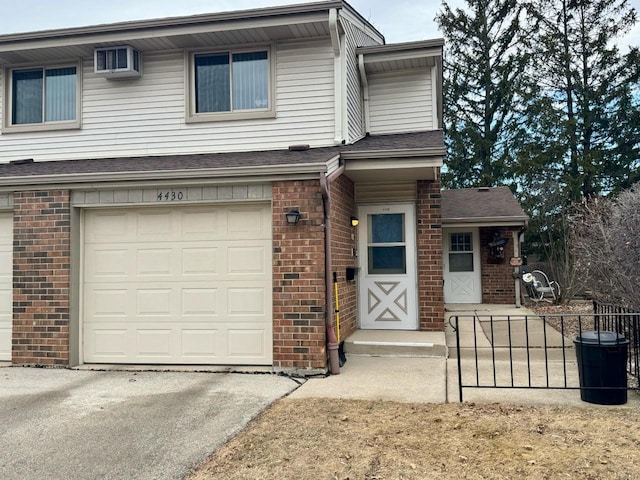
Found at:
(365, 92)
(337, 76)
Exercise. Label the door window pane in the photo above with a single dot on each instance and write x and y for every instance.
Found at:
(461, 262)
(386, 260)
(461, 252)
(386, 228)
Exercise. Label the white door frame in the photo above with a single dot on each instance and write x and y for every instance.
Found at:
(469, 283)
(388, 300)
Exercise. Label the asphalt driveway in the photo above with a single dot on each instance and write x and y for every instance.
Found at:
(68, 424)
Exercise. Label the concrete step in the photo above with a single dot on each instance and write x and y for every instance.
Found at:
(396, 343)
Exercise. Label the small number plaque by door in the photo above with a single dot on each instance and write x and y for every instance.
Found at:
(170, 196)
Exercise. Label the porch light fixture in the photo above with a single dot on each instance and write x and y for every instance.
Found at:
(354, 221)
(293, 217)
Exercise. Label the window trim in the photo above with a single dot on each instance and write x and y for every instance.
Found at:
(7, 103)
(190, 92)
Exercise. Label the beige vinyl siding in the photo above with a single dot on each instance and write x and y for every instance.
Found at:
(354, 37)
(400, 102)
(386, 192)
(146, 116)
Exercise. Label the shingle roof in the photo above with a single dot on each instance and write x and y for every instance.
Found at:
(481, 204)
(220, 160)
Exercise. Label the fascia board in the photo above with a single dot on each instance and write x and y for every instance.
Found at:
(94, 35)
(400, 153)
(485, 222)
(174, 176)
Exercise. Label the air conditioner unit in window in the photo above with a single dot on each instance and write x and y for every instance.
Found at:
(117, 62)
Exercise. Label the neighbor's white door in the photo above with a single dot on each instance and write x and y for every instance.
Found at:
(183, 285)
(6, 284)
(387, 290)
(462, 276)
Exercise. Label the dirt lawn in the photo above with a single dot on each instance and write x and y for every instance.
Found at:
(352, 439)
(374, 440)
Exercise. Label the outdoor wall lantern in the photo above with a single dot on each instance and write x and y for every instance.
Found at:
(293, 217)
(354, 221)
(497, 247)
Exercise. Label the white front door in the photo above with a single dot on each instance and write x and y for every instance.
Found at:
(387, 290)
(462, 276)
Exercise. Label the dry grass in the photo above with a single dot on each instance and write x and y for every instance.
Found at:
(351, 439)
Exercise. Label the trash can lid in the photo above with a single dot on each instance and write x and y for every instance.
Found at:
(606, 338)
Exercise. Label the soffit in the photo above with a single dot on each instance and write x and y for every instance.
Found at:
(401, 56)
(237, 32)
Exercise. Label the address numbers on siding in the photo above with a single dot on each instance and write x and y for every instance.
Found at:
(171, 196)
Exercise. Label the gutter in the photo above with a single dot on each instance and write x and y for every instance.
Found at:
(332, 339)
(157, 175)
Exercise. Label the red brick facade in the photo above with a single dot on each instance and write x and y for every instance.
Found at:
(343, 244)
(42, 235)
(498, 285)
(430, 273)
(41, 242)
(298, 277)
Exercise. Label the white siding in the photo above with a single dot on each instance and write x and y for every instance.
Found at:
(354, 37)
(400, 102)
(146, 116)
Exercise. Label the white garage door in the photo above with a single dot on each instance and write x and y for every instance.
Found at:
(6, 284)
(184, 285)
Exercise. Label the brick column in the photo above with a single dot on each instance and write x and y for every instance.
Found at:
(498, 285)
(41, 242)
(298, 278)
(430, 274)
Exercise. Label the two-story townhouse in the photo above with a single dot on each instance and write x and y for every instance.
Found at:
(187, 190)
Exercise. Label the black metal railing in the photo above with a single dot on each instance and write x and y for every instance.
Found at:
(535, 351)
(625, 321)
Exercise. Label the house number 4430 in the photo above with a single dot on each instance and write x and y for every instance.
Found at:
(170, 196)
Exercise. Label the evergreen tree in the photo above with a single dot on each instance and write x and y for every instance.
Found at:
(484, 62)
(582, 117)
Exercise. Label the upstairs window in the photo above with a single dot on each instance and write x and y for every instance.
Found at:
(232, 84)
(42, 98)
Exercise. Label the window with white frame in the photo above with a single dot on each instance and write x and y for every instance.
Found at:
(42, 96)
(230, 84)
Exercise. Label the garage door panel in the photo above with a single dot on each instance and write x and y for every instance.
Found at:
(6, 284)
(247, 343)
(181, 285)
(247, 223)
(200, 261)
(200, 301)
(246, 301)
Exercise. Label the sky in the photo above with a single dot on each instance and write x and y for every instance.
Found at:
(397, 20)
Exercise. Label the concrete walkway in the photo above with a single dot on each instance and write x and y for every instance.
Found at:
(426, 370)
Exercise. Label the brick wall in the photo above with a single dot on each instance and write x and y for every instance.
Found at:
(343, 243)
(41, 241)
(298, 278)
(497, 281)
(430, 274)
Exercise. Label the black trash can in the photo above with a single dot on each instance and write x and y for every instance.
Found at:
(602, 365)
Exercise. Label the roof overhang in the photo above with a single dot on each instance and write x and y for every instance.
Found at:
(271, 24)
(485, 222)
(401, 56)
(181, 176)
(397, 165)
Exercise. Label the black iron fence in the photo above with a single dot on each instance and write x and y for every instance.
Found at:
(625, 321)
(539, 351)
